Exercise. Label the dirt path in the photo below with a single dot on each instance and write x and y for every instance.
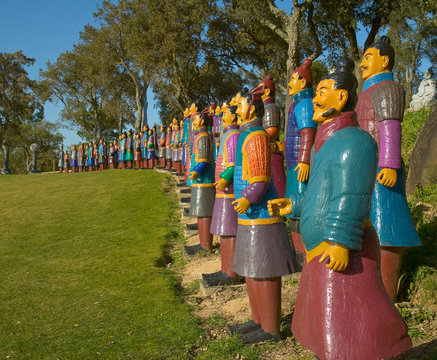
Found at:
(231, 303)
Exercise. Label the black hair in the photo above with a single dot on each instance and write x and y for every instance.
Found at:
(385, 49)
(259, 104)
(345, 79)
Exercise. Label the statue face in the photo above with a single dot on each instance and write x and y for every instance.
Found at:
(193, 109)
(373, 63)
(197, 122)
(295, 85)
(228, 118)
(266, 94)
(328, 101)
(245, 115)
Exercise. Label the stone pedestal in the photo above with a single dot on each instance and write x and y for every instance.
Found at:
(34, 148)
(6, 170)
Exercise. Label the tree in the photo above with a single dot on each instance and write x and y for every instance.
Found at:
(125, 32)
(413, 35)
(18, 100)
(83, 80)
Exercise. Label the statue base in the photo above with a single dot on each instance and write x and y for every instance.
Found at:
(5, 171)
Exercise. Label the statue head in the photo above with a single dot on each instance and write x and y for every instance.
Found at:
(229, 117)
(193, 109)
(301, 78)
(198, 122)
(336, 92)
(268, 86)
(378, 58)
(251, 105)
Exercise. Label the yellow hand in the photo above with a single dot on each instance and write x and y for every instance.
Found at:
(279, 207)
(387, 177)
(193, 175)
(221, 184)
(338, 256)
(242, 205)
(304, 171)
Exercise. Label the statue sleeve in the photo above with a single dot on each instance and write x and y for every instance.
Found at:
(203, 151)
(257, 152)
(388, 102)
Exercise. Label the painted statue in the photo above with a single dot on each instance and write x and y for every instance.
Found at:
(168, 148)
(176, 146)
(73, 160)
(129, 149)
(271, 122)
(102, 154)
(66, 161)
(90, 156)
(61, 159)
(113, 155)
(262, 251)
(122, 151)
(96, 156)
(181, 147)
(80, 158)
(190, 137)
(299, 139)
(137, 154)
(203, 189)
(224, 217)
(151, 152)
(342, 310)
(161, 146)
(185, 155)
(380, 111)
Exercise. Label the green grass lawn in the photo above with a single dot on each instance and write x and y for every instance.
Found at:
(78, 268)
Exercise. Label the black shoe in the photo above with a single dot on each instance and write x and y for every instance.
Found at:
(186, 211)
(220, 278)
(181, 184)
(185, 191)
(194, 226)
(244, 328)
(259, 336)
(193, 250)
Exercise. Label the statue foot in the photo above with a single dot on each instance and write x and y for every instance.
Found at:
(193, 250)
(220, 278)
(244, 328)
(259, 336)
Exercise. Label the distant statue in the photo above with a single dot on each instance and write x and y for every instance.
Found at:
(34, 148)
(426, 94)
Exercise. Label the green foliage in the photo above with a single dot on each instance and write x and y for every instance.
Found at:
(414, 318)
(411, 125)
(229, 348)
(81, 252)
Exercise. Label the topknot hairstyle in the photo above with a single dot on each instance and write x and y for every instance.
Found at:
(385, 49)
(345, 79)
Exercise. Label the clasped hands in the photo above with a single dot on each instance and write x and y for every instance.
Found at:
(193, 175)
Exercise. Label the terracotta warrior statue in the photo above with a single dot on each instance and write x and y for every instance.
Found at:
(380, 110)
(342, 310)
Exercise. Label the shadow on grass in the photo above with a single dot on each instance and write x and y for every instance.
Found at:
(427, 351)
(418, 258)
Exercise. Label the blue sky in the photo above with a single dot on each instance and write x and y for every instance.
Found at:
(44, 29)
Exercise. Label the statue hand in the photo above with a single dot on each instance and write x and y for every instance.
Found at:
(304, 171)
(242, 205)
(193, 175)
(387, 177)
(279, 207)
(338, 256)
(221, 184)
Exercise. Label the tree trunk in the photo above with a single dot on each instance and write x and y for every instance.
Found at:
(146, 105)
(120, 124)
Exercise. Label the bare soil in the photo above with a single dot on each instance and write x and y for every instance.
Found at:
(231, 304)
